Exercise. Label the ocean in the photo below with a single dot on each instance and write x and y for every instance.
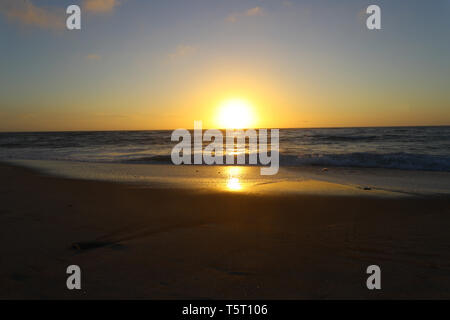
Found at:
(406, 148)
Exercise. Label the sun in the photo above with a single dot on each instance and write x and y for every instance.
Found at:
(235, 114)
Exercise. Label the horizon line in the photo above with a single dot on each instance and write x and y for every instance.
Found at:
(191, 129)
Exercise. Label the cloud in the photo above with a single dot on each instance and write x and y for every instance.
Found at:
(25, 12)
(93, 57)
(100, 6)
(256, 11)
(253, 12)
(182, 51)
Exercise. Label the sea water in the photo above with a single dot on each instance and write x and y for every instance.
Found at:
(406, 148)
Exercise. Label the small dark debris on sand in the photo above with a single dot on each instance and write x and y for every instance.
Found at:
(89, 245)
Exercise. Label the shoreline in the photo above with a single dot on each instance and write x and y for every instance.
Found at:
(148, 243)
(246, 179)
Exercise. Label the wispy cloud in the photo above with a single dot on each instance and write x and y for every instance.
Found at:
(253, 12)
(93, 57)
(182, 51)
(26, 13)
(256, 11)
(100, 6)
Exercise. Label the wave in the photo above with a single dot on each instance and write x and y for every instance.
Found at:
(335, 138)
(404, 161)
(164, 159)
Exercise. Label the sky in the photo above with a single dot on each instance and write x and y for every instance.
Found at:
(161, 64)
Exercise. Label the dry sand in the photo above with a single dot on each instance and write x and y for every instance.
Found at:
(133, 242)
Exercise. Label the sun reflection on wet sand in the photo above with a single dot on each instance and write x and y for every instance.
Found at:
(233, 182)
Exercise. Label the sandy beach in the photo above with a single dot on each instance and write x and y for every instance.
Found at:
(137, 242)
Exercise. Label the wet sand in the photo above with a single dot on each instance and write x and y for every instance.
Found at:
(165, 243)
